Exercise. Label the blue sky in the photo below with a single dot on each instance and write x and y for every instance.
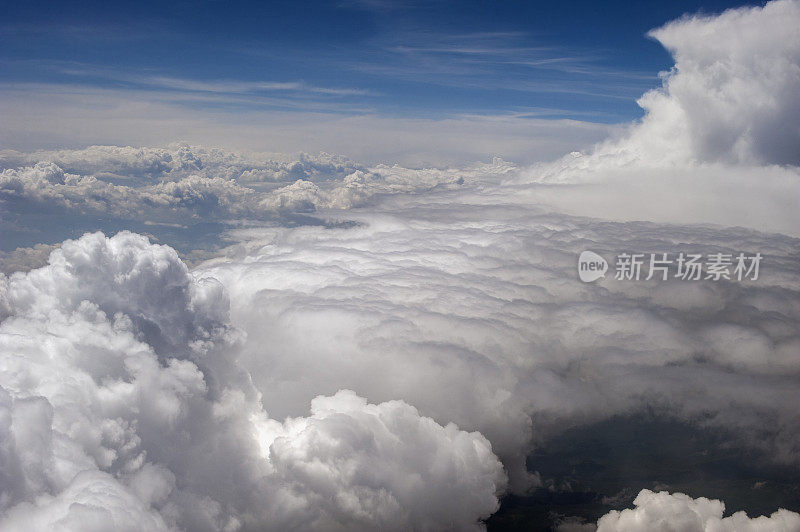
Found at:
(580, 60)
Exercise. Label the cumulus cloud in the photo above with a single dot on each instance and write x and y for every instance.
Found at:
(731, 93)
(200, 184)
(730, 96)
(663, 511)
(122, 406)
(719, 141)
(362, 466)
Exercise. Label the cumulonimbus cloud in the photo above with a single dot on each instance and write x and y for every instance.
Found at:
(729, 98)
(719, 141)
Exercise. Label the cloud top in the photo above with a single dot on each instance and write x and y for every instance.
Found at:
(731, 95)
(662, 512)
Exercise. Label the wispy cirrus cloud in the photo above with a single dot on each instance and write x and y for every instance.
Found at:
(493, 71)
(500, 61)
(73, 72)
(227, 86)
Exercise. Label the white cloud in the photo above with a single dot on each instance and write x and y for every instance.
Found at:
(657, 512)
(24, 259)
(94, 501)
(719, 142)
(136, 392)
(118, 360)
(180, 160)
(466, 304)
(730, 96)
(198, 183)
(733, 89)
(122, 406)
(383, 466)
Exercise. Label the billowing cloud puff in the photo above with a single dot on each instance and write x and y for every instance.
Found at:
(719, 141)
(731, 96)
(359, 466)
(123, 405)
(93, 501)
(665, 512)
(147, 283)
(47, 184)
(732, 92)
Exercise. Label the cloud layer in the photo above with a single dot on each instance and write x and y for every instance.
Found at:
(435, 324)
(140, 394)
(183, 182)
(196, 183)
(469, 308)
